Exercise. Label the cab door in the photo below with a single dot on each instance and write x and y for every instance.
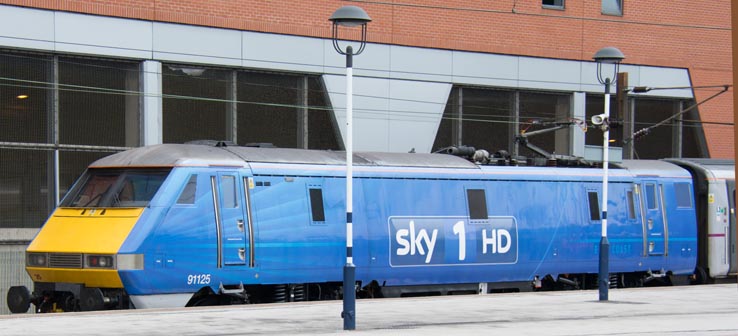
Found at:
(230, 218)
(655, 234)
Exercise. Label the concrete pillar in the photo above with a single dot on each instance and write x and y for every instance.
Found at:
(151, 104)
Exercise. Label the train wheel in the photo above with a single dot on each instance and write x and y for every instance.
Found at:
(19, 299)
(91, 299)
(700, 276)
(208, 300)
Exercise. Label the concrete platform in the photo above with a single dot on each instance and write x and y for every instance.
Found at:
(689, 310)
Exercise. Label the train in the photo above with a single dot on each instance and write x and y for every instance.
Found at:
(212, 223)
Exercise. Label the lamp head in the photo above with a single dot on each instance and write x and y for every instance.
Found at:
(608, 55)
(350, 16)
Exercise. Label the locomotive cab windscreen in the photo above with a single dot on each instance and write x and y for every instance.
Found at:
(115, 188)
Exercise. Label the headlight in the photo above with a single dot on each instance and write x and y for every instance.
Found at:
(37, 259)
(99, 261)
(130, 261)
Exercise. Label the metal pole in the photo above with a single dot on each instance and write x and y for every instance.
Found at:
(349, 270)
(604, 275)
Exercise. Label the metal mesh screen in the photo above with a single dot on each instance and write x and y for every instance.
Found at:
(12, 264)
(322, 128)
(24, 97)
(444, 136)
(538, 111)
(657, 144)
(268, 112)
(596, 105)
(95, 97)
(487, 119)
(195, 103)
(24, 198)
(693, 137)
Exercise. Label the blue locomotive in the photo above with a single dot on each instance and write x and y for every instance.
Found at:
(178, 225)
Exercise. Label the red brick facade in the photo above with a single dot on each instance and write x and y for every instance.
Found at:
(695, 35)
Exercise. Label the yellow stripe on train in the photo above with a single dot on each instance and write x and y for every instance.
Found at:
(88, 277)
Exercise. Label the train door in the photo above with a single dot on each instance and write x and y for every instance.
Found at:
(732, 228)
(655, 232)
(231, 218)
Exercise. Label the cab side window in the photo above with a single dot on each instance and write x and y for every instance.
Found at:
(188, 193)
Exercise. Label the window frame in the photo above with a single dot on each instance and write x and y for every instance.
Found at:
(317, 204)
(476, 203)
(560, 6)
(630, 195)
(682, 189)
(619, 3)
(593, 199)
(189, 190)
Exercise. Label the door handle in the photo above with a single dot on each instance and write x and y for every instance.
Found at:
(650, 224)
(240, 225)
(242, 253)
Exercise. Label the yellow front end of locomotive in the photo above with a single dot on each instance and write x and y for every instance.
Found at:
(80, 246)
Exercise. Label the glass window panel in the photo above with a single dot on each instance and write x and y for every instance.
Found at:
(195, 103)
(683, 195)
(316, 204)
(24, 97)
(631, 205)
(116, 188)
(651, 197)
(93, 104)
(188, 193)
(477, 204)
(558, 4)
(612, 7)
(228, 190)
(594, 205)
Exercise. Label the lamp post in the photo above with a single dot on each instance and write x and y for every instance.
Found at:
(349, 16)
(607, 55)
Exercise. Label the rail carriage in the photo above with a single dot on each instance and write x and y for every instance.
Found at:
(177, 225)
(714, 184)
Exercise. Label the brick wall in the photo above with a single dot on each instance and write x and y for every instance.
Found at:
(689, 34)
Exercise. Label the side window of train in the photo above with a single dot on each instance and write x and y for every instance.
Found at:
(594, 205)
(228, 183)
(316, 204)
(477, 203)
(631, 205)
(683, 195)
(188, 193)
(651, 197)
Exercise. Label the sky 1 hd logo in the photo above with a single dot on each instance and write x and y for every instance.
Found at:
(434, 241)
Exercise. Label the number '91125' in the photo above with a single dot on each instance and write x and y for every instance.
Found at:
(198, 279)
